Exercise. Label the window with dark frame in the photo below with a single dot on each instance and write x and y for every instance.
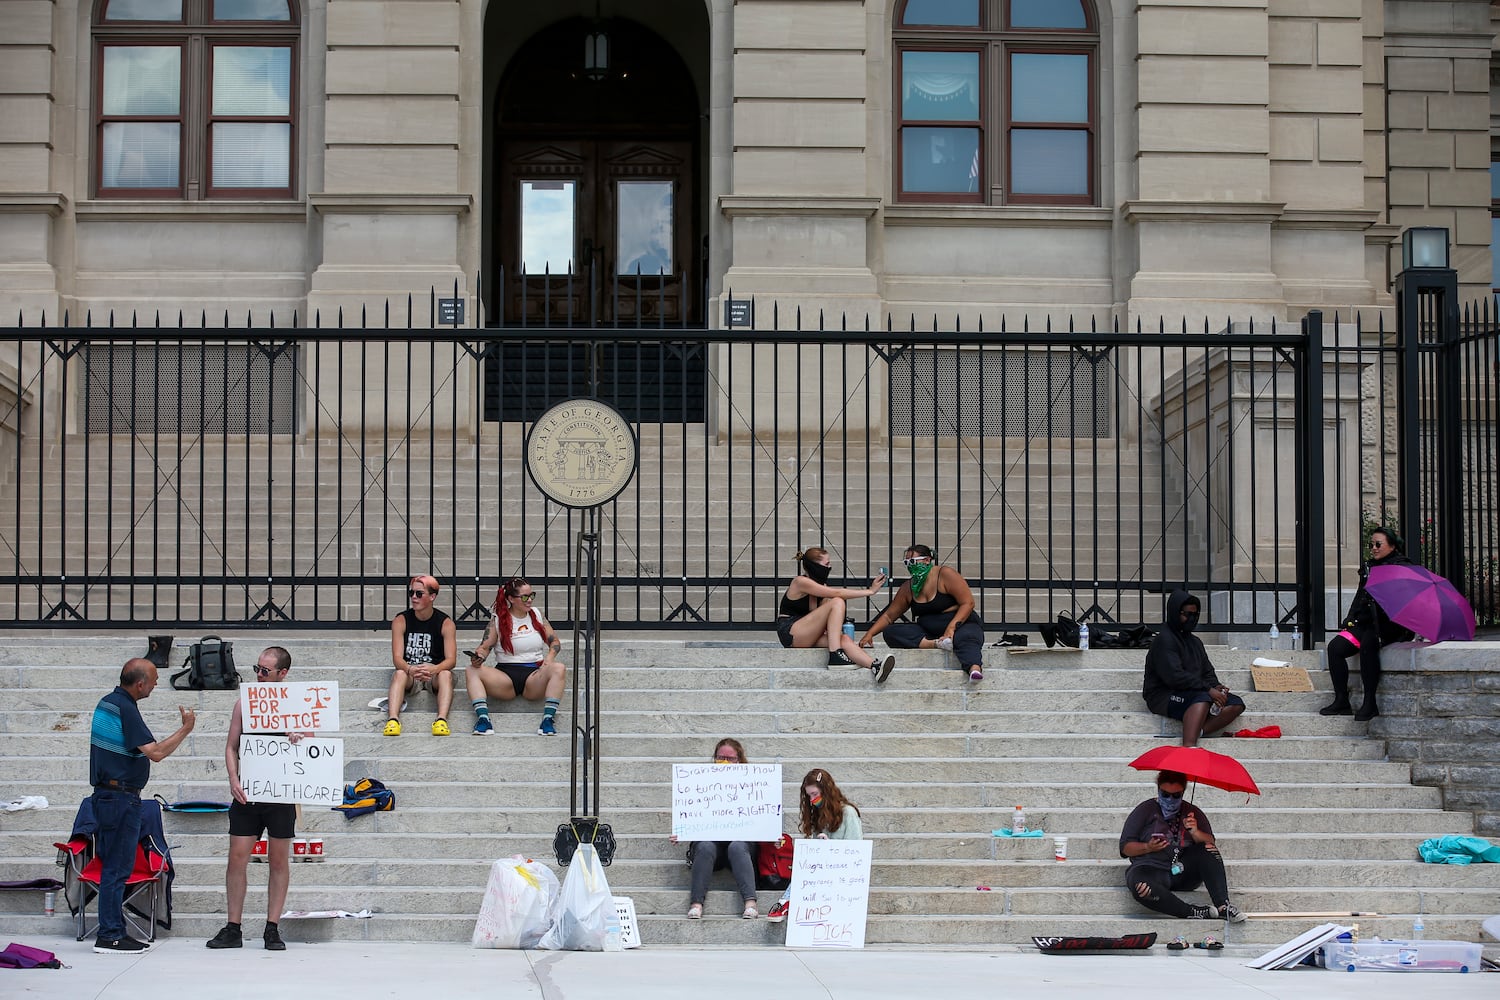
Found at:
(195, 99)
(997, 102)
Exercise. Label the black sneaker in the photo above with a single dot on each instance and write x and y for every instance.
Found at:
(839, 658)
(1232, 913)
(1204, 913)
(126, 945)
(882, 668)
(229, 936)
(273, 938)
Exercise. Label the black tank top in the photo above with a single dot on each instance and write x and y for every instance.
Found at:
(424, 640)
(939, 604)
(795, 609)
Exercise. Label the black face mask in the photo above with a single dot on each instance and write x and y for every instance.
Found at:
(817, 572)
(1189, 621)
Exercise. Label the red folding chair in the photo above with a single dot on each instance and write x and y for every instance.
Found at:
(145, 888)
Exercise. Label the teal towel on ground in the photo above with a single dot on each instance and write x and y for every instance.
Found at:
(1006, 832)
(1455, 850)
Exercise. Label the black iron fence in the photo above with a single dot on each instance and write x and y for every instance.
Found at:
(293, 475)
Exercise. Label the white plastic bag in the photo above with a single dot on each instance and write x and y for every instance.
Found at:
(586, 915)
(518, 904)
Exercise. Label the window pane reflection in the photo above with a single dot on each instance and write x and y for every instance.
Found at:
(1049, 162)
(1047, 14)
(252, 80)
(251, 10)
(1048, 87)
(940, 86)
(940, 159)
(144, 10)
(252, 154)
(547, 226)
(140, 154)
(962, 13)
(142, 79)
(644, 225)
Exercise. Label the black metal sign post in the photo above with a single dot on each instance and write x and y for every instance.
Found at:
(581, 454)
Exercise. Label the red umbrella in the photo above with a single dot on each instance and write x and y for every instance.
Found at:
(1211, 768)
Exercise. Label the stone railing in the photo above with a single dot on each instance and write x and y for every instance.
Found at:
(1440, 710)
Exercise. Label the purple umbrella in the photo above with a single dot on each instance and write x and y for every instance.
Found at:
(1422, 601)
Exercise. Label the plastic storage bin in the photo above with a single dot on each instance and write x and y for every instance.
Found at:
(1402, 956)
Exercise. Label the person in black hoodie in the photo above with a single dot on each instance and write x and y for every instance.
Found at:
(1180, 682)
(1365, 630)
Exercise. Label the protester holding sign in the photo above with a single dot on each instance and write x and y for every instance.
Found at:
(826, 815)
(248, 819)
(708, 856)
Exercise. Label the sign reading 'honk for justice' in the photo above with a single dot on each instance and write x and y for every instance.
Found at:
(290, 707)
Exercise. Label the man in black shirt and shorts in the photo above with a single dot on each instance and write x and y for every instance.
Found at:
(248, 819)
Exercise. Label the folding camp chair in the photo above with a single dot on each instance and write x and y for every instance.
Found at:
(145, 888)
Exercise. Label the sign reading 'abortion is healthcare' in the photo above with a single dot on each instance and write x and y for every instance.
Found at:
(726, 801)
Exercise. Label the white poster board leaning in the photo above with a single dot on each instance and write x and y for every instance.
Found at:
(274, 769)
(290, 707)
(830, 894)
(726, 802)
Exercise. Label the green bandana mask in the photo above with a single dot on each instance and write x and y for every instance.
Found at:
(918, 573)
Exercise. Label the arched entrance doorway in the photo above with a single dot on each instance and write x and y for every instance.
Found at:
(596, 181)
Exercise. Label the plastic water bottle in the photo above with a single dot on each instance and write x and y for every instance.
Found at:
(1296, 636)
(1417, 927)
(1083, 635)
(1018, 822)
(1275, 635)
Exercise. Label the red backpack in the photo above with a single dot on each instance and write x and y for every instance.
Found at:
(773, 864)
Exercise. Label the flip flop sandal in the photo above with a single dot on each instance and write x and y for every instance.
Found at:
(1210, 943)
(1178, 943)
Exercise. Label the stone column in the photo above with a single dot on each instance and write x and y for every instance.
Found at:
(1437, 66)
(28, 200)
(800, 205)
(388, 204)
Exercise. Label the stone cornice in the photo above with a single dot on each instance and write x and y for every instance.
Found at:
(997, 215)
(25, 202)
(141, 210)
(1309, 218)
(1202, 211)
(734, 205)
(391, 204)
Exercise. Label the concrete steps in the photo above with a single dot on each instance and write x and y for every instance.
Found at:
(934, 762)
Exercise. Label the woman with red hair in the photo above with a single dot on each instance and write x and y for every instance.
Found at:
(826, 815)
(526, 662)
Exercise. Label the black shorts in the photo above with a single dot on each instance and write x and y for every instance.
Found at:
(277, 819)
(1179, 701)
(518, 673)
(784, 630)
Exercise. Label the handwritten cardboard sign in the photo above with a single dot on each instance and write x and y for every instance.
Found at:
(1281, 679)
(830, 894)
(274, 769)
(726, 801)
(290, 707)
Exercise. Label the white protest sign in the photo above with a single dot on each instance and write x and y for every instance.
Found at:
(830, 894)
(726, 801)
(274, 769)
(290, 707)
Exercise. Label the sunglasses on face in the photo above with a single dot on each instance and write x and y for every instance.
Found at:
(261, 671)
(913, 560)
(721, 759)
(1170, 795)
(528, 598)
(417, 593)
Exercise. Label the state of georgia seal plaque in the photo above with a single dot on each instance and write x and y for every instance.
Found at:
(581, 453)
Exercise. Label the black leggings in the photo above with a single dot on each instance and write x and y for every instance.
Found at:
(1339, 651)
(1200, 866)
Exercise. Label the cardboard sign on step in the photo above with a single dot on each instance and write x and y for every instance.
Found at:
(1272, 675)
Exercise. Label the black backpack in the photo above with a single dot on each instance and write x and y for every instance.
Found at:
(210, 667)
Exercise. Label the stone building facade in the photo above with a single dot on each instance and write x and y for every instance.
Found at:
(974, 158)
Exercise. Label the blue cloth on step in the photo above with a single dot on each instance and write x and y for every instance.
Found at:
(1456, 850)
